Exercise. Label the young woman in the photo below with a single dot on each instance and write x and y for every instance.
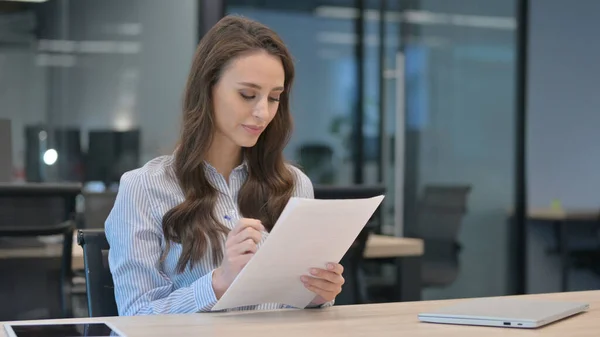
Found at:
(184, 225)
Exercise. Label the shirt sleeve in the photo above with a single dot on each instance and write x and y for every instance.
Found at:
(135, 237)
(304, 189)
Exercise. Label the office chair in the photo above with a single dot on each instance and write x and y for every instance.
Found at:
(440, 215)
(98, 279)
(32, 210)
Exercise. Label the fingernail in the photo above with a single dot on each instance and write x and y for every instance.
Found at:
(314, 271)
(304, 279)
(330, 266)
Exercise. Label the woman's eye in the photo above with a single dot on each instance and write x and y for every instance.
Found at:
(274, 99)
(246, 96)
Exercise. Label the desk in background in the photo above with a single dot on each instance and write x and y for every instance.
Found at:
(378, 246)
(560, 219)
(407, 251)
(392, 319)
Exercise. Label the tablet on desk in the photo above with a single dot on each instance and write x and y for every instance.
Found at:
(60, 329)
(504, 312)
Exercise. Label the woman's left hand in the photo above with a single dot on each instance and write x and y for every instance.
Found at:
(326, 283)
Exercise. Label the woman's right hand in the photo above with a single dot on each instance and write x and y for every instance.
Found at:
(241, 245)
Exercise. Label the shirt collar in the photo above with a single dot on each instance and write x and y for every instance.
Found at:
(242, 167)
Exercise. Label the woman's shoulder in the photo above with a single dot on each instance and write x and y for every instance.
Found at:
(151, 189)
(156, 171)
(155, 181)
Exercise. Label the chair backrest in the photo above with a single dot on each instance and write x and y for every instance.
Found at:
(441, 210)
(42, 209)
(99, 282)
(37, 204)
(37, 213)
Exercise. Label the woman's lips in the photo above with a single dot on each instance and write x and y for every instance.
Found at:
(253, 129)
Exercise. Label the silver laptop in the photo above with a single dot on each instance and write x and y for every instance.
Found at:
(504, 312)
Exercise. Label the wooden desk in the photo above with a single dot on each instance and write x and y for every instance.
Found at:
(550, 214)
(378, 246)
(393, 319)
(406, 253)
(383, 246)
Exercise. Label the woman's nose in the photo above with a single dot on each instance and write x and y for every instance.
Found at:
(261, 110)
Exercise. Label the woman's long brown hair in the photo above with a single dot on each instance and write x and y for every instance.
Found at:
(270, 183)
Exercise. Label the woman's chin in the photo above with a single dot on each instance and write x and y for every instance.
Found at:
(248, 142)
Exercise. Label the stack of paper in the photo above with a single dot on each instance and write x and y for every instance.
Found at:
(308, 234)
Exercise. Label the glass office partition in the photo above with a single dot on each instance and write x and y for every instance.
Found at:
(437, 104)
(81, 75)
(323, 100)
(451, 90)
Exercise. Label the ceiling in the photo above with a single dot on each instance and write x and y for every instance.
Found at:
(503, 8)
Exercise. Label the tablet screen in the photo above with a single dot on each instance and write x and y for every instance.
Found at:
(64, 330)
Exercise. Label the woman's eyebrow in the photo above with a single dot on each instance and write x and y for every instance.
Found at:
(256, 86)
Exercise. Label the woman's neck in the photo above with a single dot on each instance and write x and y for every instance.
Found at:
(224, 156)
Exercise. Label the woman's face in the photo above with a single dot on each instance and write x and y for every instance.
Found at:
(246, 97)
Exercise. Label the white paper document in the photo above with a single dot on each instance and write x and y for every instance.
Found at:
(308, 234)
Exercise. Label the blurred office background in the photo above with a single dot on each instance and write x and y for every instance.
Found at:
(414, 95)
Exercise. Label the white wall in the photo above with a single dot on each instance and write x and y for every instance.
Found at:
(563, 122)
(563, 104)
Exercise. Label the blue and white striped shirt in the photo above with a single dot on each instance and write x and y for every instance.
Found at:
(145, 285)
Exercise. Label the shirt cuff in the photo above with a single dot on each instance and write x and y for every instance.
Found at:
(204, 292)
(327, 304)
(324, 305)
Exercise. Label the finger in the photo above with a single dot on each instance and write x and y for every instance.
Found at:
(322, 284)
(325, 295)
(245, 247)
(328, 275)
(336, 268)
(242, 260)
(247, 233)
(245, 222)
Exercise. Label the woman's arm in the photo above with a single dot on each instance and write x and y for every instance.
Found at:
(135, 236)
